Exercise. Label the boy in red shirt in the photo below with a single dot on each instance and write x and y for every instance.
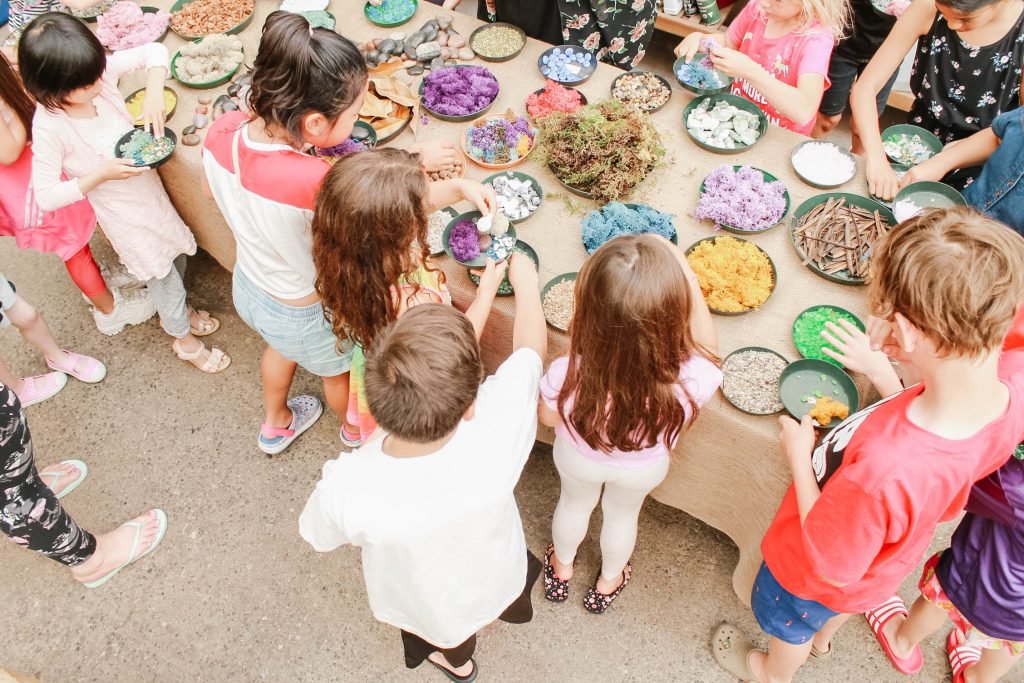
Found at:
(865, 502)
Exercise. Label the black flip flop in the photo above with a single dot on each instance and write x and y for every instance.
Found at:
(458, 679)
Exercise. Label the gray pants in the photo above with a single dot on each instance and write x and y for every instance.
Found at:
(168, 294)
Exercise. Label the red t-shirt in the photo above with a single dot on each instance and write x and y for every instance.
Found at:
(786, 58)
(886, 484)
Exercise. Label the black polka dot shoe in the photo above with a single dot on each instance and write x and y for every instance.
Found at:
(555, 589)
(597, 603)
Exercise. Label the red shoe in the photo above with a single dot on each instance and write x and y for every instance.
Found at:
(877, 619)
(961, 655)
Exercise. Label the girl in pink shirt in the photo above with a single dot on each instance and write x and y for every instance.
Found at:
(778, 51)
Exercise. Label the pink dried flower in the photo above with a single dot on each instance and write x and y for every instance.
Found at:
(125, 26)
(741, 199)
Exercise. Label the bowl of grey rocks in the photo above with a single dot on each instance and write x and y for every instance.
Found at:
(519, 195)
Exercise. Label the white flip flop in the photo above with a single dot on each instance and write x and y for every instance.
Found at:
(132, 557)
(83, 472)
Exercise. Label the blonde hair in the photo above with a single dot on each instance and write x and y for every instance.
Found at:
(833, 15)
(955, 274)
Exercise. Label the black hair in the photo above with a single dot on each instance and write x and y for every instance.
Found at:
(300, 70)
(57, 55)
(966, 6)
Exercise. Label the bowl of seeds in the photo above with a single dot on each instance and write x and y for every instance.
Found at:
(700, 76)
(751, 379)
(909, 145)
(505, 288)
(808, 326)
(143, 149)
(736, 276)
(833, 233)
(813, 387)
(390, 13)
(133, 103)
(642, 90)
(497, 42)
(519, 195)
(465, 241)
(559, 300)
(193, 19)
(436, 225)
(724, 123)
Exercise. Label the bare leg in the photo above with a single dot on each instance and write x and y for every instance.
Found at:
(824, 125)
(6, 378)
(277, 372)
(34, 329)
(906, 633)
(780, 663)
(336, 391)
(992, 666)
(822, 640)
(114, 547)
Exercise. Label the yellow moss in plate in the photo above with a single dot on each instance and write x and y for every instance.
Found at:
(134, 105)
(734, 274)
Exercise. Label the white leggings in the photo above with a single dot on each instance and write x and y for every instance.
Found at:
(625, 490)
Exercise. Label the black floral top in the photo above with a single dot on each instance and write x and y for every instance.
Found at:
(960, 89)
(619, 31)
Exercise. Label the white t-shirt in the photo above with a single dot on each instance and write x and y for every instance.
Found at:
(443, 547)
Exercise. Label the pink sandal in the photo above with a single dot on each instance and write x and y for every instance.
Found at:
(961, 655)
(41, 387)
(877, 619)
(92, 370)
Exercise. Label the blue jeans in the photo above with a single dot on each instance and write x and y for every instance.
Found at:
(999, 189)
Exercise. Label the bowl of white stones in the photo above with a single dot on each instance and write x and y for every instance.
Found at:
(519, 195)
(724, 123)
(822, 164)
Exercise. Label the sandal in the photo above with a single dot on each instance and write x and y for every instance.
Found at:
(961, 655)
(207, 324)
(83, 472)
(596, 602)
(41, 387)
(732, 651)
(92, 370)
(306, 410)
(459, 679)
(216, 362)
(350, 439)
(132, 557)
(555, 589)
(877, 619)
(819, 654)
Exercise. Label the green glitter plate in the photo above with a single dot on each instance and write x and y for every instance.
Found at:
(505, 288)
(803, 378)
(806, 349)
(398, 22)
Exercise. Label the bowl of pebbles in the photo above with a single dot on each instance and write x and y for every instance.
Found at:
(824, 165)
(519, 195)
(567, 64)
(436, 225)
(909, 145)
(457, 169)
(471, 238)
(505, 288)
(750, 379)
(208, 62)
(558, 298)
(193, 19)
(643, 90)
(143, 149)
(925, 194)
(724, 123)
(700, 76)
(497, 42)
(833, 233)
(390, 13)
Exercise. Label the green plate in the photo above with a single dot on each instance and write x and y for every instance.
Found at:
(842, 277)
(637, 72)
(635, 207)
(505, 288)
(235, 29)
(929, 140)
(810, 181)
(585, 72)
(573, 190)
(930, 195)
(502, 24)
(700, 92)
(382, 24)
(170, 112)
(775, 275)
(481, 260)
(736, 101)
(206, 85)
(802, 378)
(815, 352)
(168, 133)
(457, 119)
(524, 177)
(768, 178)
(749, 348)
(547, 288)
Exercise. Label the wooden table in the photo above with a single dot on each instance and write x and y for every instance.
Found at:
(727, 470)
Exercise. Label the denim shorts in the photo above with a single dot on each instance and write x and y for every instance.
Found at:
(299, 333)
(783, 615)
(842, 72)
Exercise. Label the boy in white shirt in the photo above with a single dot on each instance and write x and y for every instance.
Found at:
(430, 499)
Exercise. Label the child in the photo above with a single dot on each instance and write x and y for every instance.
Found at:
(65, 232)
(778, 51)
(76, 128)
(430, 498)
(966, 73)
(945, 288)
(999, 187)
(540, 19)
(22, 12)
(378, 202)
(31, 390)
(618, 31)
(642, 335)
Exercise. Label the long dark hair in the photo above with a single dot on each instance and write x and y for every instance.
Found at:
(15, 96)
(57, 55)
(300, 70)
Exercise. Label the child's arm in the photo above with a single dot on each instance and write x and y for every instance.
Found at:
(691, 43)
(13, 139)
(913, 24)
(702, 327)
(972, 151)
(547, 415)
(154, 58)
(490, 280)
(319, 522)
(797, 441)
(436, 155)
(529, 330)
(855, 353)
(447, 192)
(52, 193)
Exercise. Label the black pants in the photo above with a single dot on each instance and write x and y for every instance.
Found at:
(519, 612)
(29, 512)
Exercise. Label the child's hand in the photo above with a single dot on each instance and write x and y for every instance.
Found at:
(882, 180)
(932, 169)
(436, 155)
(522, 274)
(689, 47)
(797, 440)
(491, 276)
(120, 169)
(481, 195)
(154, 112)
(733, 62)
(854, 348)
(883, 338)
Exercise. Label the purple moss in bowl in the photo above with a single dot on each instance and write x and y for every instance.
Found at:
(459, 91)
(464, 240)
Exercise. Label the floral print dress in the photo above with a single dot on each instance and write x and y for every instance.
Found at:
(960, 89)
(619, 31)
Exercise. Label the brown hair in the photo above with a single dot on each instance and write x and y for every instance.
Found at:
(14, 95)
(955, 274)
(370, 211)
(423, 373)
(57, 55)
(299, 71)
(629, 336)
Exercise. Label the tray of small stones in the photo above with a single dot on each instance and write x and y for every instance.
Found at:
(143, 149)
(436, 224)
(558, 298)
(642, 90)
(751, 379)
(519, 195)
(567, 64)
(497, 42)
(833, 233)
(469, 243)
(724, 123)
(909, 145)
(505, 288)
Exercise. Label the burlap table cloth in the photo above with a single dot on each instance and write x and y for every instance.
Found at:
(727, 470)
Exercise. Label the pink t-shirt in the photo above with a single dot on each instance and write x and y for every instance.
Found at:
(700, 376)
(786, 58)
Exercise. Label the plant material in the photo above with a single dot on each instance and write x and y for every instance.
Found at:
(500, 139)
(497, 42)
(837, 237)
(144, 149)
(825, 408)
(617, 219)
(348, 146)
(734, 275)
(459, 91)
(741, 199)
(388, 106)
(134, 105)
(751, 381)
(205, 17)
(125, 26)
(605, 148)
(213, 57)
(464, 240)
(700, 73)
(554, 97)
